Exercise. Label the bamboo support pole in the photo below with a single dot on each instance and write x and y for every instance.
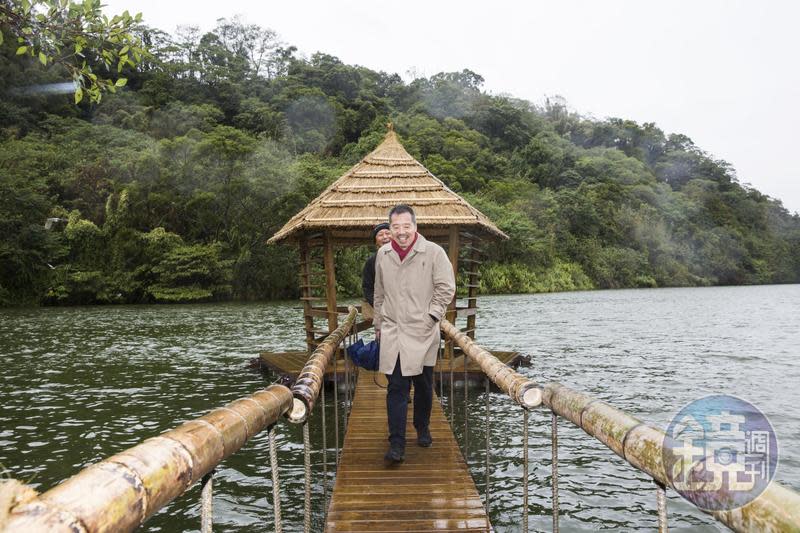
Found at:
(521, 389)
(306, 389)
(645, 447)
(121, 492)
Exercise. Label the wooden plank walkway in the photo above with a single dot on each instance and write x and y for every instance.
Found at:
(431, 491)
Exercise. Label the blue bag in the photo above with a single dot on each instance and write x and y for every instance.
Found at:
(365, 355)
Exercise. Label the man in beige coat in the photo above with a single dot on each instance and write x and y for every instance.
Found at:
(414, 284)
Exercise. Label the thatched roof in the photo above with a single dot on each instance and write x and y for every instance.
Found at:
(353, 204)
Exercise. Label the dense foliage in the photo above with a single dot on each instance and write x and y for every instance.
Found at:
(76, 36)
(167, 191)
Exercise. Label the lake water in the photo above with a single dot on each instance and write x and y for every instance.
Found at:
(80, 384)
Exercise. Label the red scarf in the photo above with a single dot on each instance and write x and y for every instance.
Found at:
(403, 253)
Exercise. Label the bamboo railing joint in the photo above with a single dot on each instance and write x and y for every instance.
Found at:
(521, 389)
(648, 450)
(139, 481)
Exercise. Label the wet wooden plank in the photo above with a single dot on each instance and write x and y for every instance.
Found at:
(431, 491)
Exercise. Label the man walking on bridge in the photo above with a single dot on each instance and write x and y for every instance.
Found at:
(414, 283)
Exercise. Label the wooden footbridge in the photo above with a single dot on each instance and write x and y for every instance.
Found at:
(433, 489)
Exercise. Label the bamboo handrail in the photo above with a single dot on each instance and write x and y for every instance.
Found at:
(777, 508)
(643, 446)
(121, 492)
(309, 382)
(521, 389)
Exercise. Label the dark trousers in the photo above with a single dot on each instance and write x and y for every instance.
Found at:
(397, 402)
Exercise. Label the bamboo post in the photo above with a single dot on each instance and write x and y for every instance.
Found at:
(521, 389)
(121, 492)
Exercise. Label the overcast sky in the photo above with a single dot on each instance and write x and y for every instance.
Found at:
(725, 73)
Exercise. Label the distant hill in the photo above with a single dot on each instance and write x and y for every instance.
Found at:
(169, 190)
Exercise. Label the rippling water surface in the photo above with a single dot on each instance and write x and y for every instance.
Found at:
(81, 384)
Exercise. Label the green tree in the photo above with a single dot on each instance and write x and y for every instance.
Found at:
(77, 36)
(191, 274)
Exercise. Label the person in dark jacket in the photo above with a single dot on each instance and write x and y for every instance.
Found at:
(381, 236)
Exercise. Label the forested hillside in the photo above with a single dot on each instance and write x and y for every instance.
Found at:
(169, 189)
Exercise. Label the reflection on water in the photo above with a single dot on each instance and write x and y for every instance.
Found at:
(84, 383)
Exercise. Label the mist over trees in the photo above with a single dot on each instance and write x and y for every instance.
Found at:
(168, 190)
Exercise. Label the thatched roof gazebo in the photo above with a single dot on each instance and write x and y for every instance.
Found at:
(345, 213)
(352, 205)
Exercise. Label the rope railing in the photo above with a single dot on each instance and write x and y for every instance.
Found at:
(305, 391)
(521, 389)
(121, 492)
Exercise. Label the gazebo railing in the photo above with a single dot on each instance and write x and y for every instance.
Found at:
(642, 446)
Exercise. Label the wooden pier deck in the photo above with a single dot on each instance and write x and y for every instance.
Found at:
(290, 364)
(431, 491)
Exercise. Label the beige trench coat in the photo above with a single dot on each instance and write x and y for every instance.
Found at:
(406, 293)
